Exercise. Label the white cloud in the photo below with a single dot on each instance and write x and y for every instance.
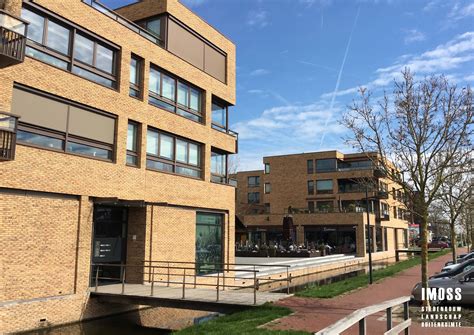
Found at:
(413, 35)
(257, 18)
(445, 57)
(459, 12)
(259, 72)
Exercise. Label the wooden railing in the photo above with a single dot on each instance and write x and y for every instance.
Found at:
(360, 316)
(12, 47)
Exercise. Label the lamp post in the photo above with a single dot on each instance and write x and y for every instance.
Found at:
(369, 232)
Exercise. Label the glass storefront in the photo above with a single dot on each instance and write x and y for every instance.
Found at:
(209, 242)
(341, 239)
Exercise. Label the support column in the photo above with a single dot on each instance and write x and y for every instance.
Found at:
(374, 238)
(361, 240)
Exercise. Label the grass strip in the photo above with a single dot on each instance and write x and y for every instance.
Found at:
(245, 322)
(343, 286)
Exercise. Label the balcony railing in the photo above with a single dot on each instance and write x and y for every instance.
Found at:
(12, 40)
(8, 126)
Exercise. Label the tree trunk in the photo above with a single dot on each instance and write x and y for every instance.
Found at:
(453, 241)
(424, 251)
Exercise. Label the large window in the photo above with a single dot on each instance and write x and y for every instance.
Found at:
(253, 181)
(166, 152)
(175, 96)
(156, 26)
(136, 70)
(253, 197)
(55, 42)
(324, 186)
(325, 165)
(56, 124)
(132, 144)
(209, 240)
(219, 115)
(218, 166)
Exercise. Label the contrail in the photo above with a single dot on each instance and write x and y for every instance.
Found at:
(338, 81)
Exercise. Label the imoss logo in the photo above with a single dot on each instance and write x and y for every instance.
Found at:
(441, 294)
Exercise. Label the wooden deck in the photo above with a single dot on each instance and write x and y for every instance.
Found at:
(195, 298)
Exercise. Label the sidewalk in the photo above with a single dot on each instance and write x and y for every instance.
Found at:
(312, 314)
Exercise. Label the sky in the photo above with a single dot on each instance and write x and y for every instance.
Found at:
(300, 62)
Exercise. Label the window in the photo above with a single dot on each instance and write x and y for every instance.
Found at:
(385, 209)
(266, 208)
(55, 42)
(311, 206)
(253, 181)
(310, 166)
(324, 186)
(174, 95)
(220, 111)
(156, 26)
(357, 165)
(132, 144)
(310, 187)
(253, 197)
(169, 153)
(52, 123)
(401, 214)
(209, 251)
(383, 187)
(325, 165)
(267, 168)
(136, 68)
(267, 188)
(218, 166)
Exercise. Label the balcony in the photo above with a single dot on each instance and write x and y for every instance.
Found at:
(8, 126)
(12, 39)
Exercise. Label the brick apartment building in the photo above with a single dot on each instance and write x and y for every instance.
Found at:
(327, 195)
(113, 147)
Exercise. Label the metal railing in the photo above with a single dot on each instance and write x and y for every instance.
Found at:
(360, 316)
(187, 276)
(12, 45)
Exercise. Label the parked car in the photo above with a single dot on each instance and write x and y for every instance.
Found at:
(455, 270)
(438, 244)
(461, 258)
(463, 281)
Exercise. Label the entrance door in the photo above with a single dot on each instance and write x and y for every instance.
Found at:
(110, 241)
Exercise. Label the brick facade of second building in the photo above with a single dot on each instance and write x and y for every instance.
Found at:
(324, 193)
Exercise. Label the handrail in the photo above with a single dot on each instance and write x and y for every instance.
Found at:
(243, 264)
(360, 316)
(171, 272)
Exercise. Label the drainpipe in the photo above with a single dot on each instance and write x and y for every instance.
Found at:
(11, 6)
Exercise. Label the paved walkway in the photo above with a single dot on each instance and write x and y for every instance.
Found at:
(313, 314)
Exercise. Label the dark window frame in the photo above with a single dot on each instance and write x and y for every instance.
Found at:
(69, 59)
(136, 153)
(220, 178)
(310, 166)
(324, 191)
(331, 169)
(310, 187)
(137, 87)
(174, 103)
(266, 165)
(256, 196)
(174, 162)
(257, 181)
(267, 189)
(225, 106)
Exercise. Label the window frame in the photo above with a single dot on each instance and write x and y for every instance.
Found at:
(137, 87)
(257, 181)
(174, 162)
(225, 106)
(266, 168)
(174, 103)
(219, 178)
(136, 153)
(256, 195)
(69, 59)
(324, 191)
(310, 187)
(267, 188)
(310, 166)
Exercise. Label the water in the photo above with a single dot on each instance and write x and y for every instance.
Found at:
(123, 324)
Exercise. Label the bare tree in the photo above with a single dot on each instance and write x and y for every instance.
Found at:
(454, 196)
(417, 133)
(437, 219)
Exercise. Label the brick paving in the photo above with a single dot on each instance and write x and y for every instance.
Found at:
(313, 314)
